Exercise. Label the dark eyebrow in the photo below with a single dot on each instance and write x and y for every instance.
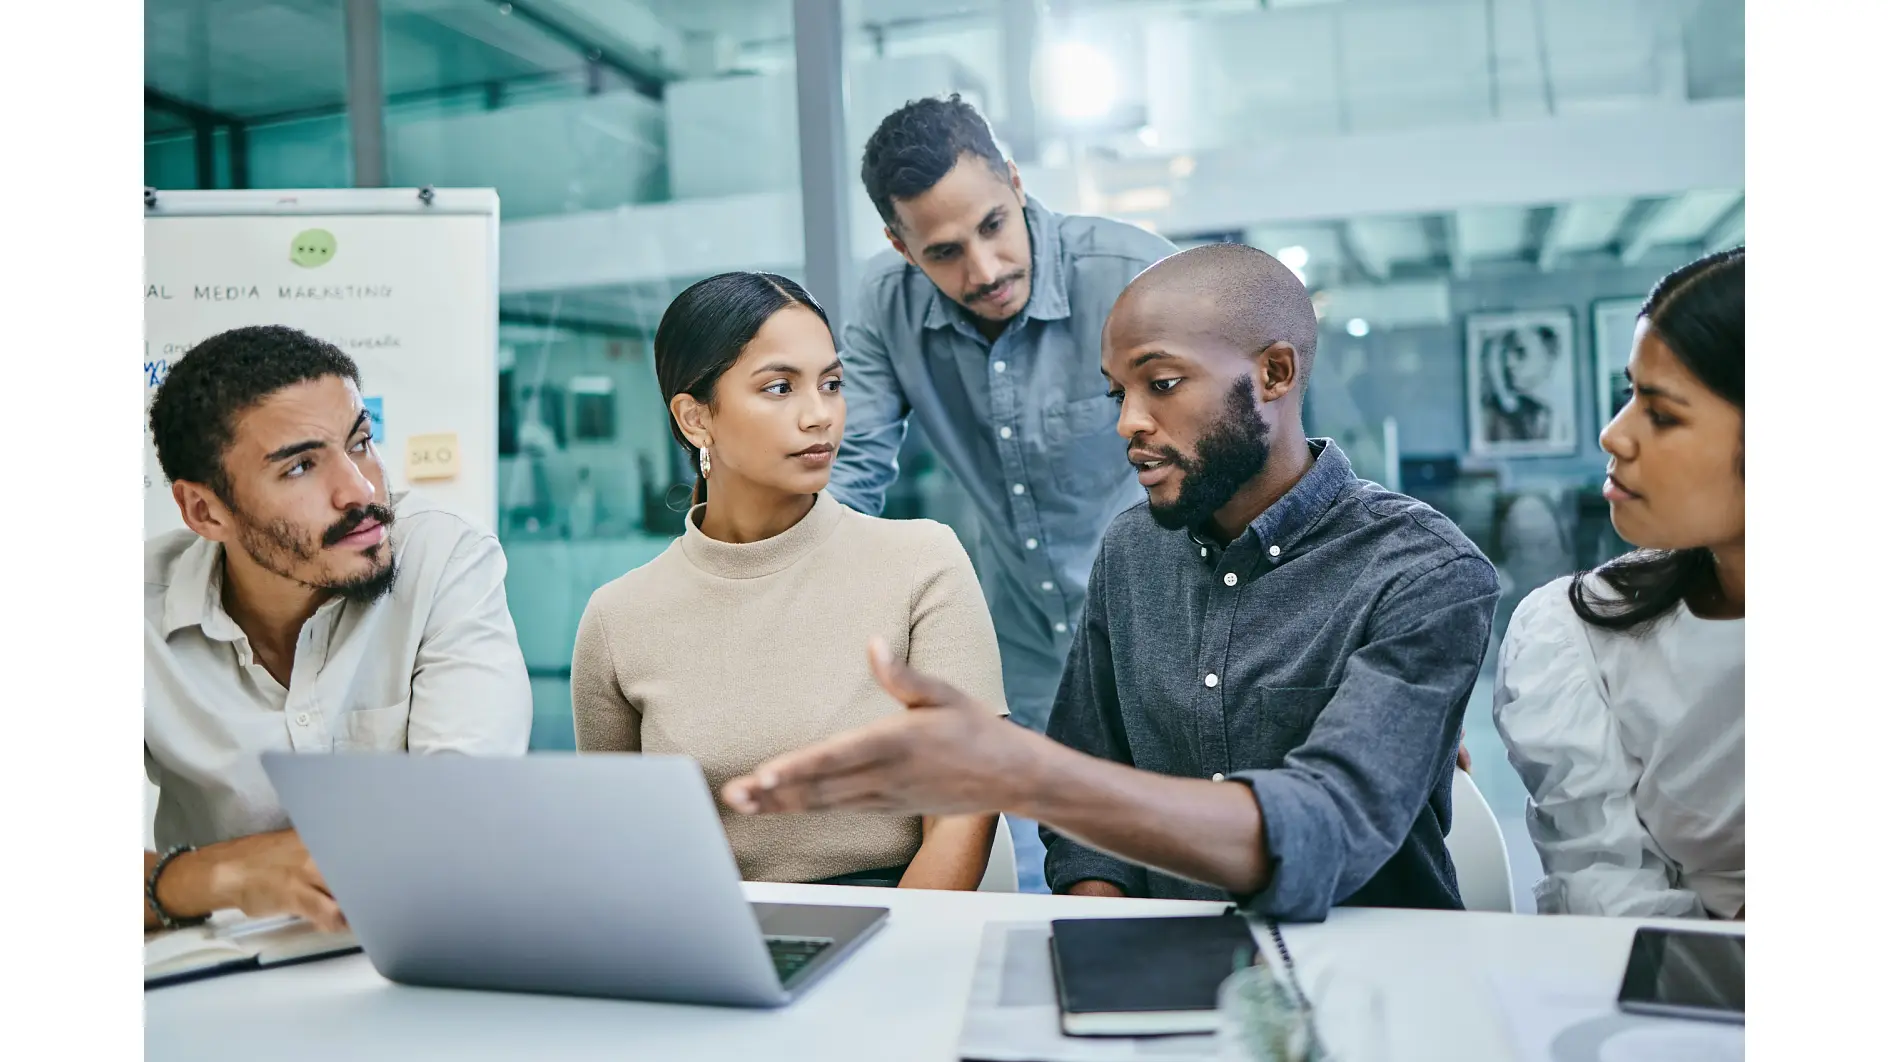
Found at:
(987, 218)
(1151, 355)
(292, 449)
(783, 369)
(1655, 392)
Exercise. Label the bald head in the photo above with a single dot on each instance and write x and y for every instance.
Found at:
(1239, 296)
(1207, 352)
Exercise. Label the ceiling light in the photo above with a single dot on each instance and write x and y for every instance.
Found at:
(1294, 257)
(1081, 81)
(1181, 166)
(1358, 327)
(1141, 200)
(1149, 137)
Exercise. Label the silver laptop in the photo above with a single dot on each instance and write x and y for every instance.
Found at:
(591, 875)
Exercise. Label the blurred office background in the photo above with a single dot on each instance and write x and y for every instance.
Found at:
(1477, 192)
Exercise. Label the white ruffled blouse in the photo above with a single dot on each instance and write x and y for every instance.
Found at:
(1631, 745)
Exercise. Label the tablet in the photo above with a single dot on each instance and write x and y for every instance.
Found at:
(1685, 974)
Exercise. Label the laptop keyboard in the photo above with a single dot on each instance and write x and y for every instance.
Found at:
(791, 954)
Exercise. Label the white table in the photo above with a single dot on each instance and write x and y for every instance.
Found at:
(901, 996)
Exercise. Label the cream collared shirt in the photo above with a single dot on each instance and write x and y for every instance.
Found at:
(432, 667)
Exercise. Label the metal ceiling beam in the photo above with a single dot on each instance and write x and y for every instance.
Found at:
(1633, 246)
(612, 329)
(1359, 250)
(502, 88)
(642, 75)
(1554, 240)
(193, 113)
(1727, 231)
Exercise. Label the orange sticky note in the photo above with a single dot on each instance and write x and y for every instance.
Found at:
(432, 456)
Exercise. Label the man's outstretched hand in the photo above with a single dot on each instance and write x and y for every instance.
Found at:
(947, 755)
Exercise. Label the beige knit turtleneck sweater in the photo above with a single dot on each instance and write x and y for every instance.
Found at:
(734, 653)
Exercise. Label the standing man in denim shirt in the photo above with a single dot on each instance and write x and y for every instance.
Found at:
(984, 321)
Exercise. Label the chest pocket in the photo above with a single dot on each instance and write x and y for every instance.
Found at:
(1084, 450)
(373, 730)
(1286, 716)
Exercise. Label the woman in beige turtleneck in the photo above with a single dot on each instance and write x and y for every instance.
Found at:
(747, 637)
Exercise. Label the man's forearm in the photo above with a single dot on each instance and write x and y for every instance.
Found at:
(1210, 832)
(187, 889)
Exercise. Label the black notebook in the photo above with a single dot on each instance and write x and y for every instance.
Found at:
(1145, 976)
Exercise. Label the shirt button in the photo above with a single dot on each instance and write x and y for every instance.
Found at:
(1061, 628)
(302, 719)
(1029, 543)
(1202, 551)
(1004, 432)
(1273, 551)
(1046, 585)
(1217, 777)
(999, 366)
(1211, 681)
(1231, 579)
(1016, 488)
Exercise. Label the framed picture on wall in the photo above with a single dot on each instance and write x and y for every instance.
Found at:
(593, 408)
(1521, 384)
(1613, 324)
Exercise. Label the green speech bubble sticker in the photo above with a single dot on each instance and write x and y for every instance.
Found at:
(312, 248)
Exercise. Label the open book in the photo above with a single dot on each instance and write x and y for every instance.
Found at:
(221, 947)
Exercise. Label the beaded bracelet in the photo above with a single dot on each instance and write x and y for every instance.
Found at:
(164, 918)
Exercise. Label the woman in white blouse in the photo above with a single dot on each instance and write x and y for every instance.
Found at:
(1620, 692)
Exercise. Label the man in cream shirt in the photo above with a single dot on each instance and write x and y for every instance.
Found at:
(305, 609)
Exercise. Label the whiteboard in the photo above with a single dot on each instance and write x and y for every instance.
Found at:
(406, 287)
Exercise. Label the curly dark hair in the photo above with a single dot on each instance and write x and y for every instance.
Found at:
(193, 416)
(917, 144)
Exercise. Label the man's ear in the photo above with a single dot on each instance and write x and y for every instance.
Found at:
(1016, 179)
(203, 511)
(899, 245)
(1275, 370)
(694, 419)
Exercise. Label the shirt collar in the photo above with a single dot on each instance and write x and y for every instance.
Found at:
(1048, 284)
(195, 595)
(1286, 520)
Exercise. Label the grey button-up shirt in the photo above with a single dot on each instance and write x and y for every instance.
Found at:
(1024, 423)
(1323, 658)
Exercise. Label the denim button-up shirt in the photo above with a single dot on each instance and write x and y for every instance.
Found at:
(1024, 423)
(1324, 657)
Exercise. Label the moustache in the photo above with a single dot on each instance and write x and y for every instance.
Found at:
(990, 289)
(351, 522)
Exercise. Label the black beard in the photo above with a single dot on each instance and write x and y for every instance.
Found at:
(267, 542)
(368, 588)
(1232, 451)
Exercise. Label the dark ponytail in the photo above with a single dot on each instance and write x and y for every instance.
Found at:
(1698, 311)
(703, 333)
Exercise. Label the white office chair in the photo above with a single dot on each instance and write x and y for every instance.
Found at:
(150, 816)
(999, 875)
(1478, 851)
